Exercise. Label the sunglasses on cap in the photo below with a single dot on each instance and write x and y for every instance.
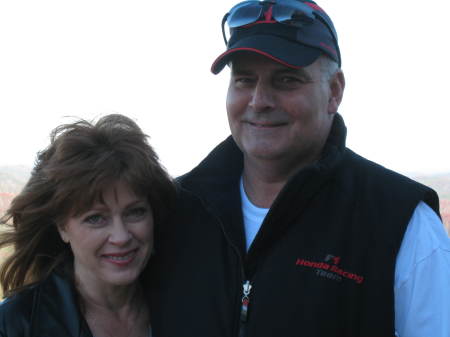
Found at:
(289, 12)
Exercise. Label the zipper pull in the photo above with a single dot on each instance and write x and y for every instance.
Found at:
(247, 287)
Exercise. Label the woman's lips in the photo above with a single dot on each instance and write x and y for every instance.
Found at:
(121, 258)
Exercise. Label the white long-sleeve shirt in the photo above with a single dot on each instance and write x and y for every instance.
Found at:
(422, 271)
(422, 278)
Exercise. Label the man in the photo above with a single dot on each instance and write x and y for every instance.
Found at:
(282, 230)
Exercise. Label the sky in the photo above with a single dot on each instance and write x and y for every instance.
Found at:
(61, 60)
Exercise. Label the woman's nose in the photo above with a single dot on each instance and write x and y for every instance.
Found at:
(119, 234)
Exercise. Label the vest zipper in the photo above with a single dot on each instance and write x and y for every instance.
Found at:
(246, 289)
(247, 285)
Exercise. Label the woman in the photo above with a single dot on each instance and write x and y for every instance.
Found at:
(82, 232)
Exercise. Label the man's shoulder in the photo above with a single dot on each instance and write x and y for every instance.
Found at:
(385, 182)
(219, 171)
(224, 159)
(373, 170)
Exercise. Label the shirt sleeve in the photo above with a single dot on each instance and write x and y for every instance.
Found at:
(422, 277)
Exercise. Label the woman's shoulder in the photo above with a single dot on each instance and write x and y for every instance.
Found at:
(16, 311)
(19, 301)
(31, 307)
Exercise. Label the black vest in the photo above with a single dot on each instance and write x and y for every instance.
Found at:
(322, 263)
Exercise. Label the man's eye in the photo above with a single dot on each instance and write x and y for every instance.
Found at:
(242, 81)
(289, 82)
(288, 79)
(136, 214)
(95, 219)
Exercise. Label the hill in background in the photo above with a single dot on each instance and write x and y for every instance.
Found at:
(441, 184)
(13, 178)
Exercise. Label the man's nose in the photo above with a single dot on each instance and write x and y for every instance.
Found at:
(262, 97)
(119, 234)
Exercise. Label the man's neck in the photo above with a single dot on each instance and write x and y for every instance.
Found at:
(263, 181)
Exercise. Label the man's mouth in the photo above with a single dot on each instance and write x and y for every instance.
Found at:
(266, 124)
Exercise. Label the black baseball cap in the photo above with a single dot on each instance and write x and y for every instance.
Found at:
(296, 40)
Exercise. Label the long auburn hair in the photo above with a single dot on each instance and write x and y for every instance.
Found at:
(82, 159)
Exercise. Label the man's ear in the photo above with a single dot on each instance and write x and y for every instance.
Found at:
(337, 85)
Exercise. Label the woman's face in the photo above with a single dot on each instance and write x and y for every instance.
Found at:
(111, 242)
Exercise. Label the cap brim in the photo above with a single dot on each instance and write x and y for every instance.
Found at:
(285, 52)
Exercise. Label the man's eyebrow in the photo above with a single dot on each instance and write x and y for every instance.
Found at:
(298, 72)
(244, 71)
(240, 71)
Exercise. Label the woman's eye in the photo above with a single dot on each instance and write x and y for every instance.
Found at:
(95, 219)
(136, 214)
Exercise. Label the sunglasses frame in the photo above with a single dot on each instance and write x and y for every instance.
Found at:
(308, 12)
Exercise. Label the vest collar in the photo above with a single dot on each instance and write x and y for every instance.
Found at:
(216, 181)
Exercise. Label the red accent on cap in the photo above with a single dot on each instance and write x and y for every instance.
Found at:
(268, 13)
(331, 49)
(255, 51)
(267, 19)
(258, 22)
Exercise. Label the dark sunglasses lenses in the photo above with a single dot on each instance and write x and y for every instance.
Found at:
(244, 13)
(284, 11)
(288, 13)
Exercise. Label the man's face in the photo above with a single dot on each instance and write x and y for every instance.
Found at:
(281, 114)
